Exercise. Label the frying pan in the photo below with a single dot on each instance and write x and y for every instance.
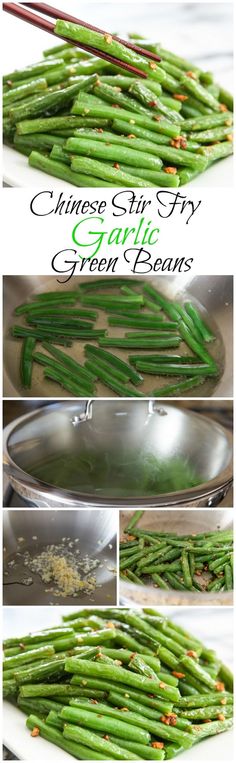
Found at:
(114, 427)
(183, 523)
(211, 294)
(96, 531)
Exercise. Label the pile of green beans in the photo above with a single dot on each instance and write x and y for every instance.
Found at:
(200, 562)
(92, 123)
(127, 685)
(162, 330)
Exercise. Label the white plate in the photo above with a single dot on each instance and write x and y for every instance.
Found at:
(32, 749)
(18, 174)
(219, 629)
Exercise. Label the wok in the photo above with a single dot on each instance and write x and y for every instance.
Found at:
(64, 433)
(96, 530)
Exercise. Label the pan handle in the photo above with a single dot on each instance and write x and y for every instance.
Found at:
(154, 407)
(85, 415)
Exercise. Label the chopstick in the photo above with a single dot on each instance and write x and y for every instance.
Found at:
(48, 10)
(25, 15)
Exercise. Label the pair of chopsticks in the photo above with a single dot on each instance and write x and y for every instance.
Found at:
(47, 26)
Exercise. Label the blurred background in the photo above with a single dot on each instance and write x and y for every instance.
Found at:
(200, 31)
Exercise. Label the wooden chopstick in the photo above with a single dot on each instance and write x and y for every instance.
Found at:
(48, 10)
(31, 18)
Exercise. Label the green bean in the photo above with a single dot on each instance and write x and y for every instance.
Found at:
(197, 671)
(179, 387)
(217, 150)
(77, 378)
(144, 344)
(40, 142)
(29, 656)
(54, 720)
(93, 148)
(146, 302)
(226, 98)
(39, 637)
(57, 123)
(105, 366)
(200, 324)
(209, 136)
(178, 61)
(174, 581)
(107, 44)
(40, 706)
(20, 92)
(209, 729)
(187, 174)
(115, 96)
(60, 170)
(127, 153)
(123, 128)
(110, 138)
(196, 347)
(75, 388)
(203, 700)
(176, 370)
(143, 321)
(141, 751)
(226, 675)
(97, 111)
(133, 521)
(86, 668)
(159, 178)
(125, 656)
(26, 362)
(79, 734)
(164, 303)
(209, 712)
(55, 736)
(98, 284)
(160, 582)
(186, 570)
(37, 307)
(58, 321)
(50, 101)
(54, 331)
(69, 362)
(9, 688)
(207, 122)
(200, 92)
(129, 575)
(114, 174)
(223, 559)
(29, 72)
(104, 723)
(137, 713)
(110, 380)
(145, 96)
(171, 750)
(115, 362)
(157, 358)
(228, 577)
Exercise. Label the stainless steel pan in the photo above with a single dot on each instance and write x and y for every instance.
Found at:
(212, 294)
(95, 427)
(96, 531)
